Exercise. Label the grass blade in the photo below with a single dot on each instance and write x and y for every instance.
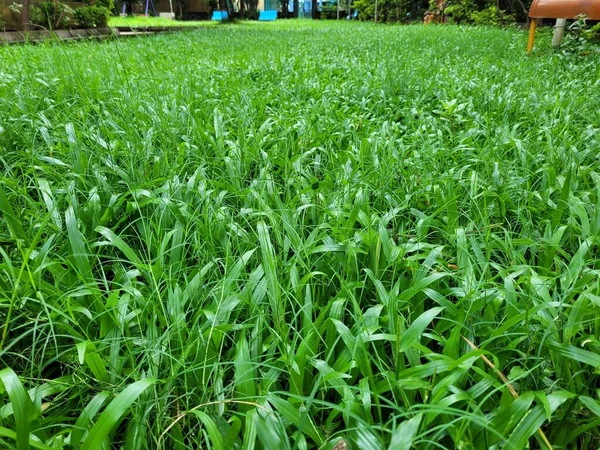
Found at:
(244, 373)
(403, 436)
(114, 414)
(214, 434)
(416, 329)
(12, 435)
(23, 408)
(79, 251)
(577, 354)
(86, 416)
(12, 220)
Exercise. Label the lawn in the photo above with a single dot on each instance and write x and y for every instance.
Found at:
(300, 235)
(142, 22)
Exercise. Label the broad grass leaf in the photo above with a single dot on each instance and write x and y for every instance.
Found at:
(233, 275)
(33, 443)
(244, 373)
(416, 329)
(48, 197)
(419, 286)
(270, 431)
(577, 354)
(41, 392)
(428, 369)
(270, 265)
(296, 418)
(232, 433)
(508, 417)
(452, 207)
(591, 404)
(346, 335)
(12, 219)
(86, 416)
(249, 435)
(533, 420)
(298, 377)
(79, 250)
(543, 399)
(404, 434)
(464, 260)
(118, 242)
(366, 440)
(510, 298)
(23, 409)
(114, 414)
(383, 294)
(215, 436)
(87, 353)
(563, 199)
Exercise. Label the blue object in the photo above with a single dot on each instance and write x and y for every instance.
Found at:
(267, 15)
(219, 15)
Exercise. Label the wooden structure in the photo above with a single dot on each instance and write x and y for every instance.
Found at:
(560, 10)
(29, 37)
(437, 15)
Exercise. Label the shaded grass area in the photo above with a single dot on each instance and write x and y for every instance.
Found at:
(277, 236)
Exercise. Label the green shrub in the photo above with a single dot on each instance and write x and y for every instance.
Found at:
(593, 33)
(579, 30)
(54, 16)
(92, 16)
(387, 10)
(10, 16)
(492, 16)
(108, 4)
(460, 11)
(329, 12)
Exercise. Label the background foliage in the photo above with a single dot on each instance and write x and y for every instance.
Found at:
(479, 12)
(54, 15)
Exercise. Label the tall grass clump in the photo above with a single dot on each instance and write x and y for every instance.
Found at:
(299, 236)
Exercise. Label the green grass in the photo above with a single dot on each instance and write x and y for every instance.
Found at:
(141, 22)
(279, 236)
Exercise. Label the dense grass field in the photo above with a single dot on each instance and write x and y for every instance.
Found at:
(300, 236)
